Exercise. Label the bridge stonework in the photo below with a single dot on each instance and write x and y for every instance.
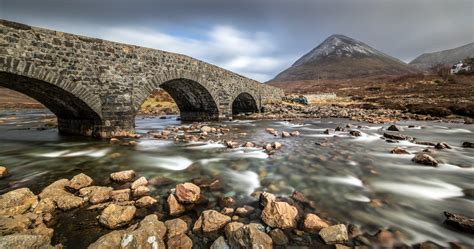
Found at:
(96, 87)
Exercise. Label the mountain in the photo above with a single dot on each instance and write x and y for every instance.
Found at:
(341, 57)
(446, 57)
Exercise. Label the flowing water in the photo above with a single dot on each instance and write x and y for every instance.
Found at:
(344, 175)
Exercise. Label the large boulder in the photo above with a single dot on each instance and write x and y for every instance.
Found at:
(64, 200)
(17, 201)
(279, 214)
(115, 216)
(336, 234)
(187, 192)
(149, 233)
(80, 181)
(249, 236)
(14, 224)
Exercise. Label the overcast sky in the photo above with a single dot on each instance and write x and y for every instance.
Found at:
(257, 38)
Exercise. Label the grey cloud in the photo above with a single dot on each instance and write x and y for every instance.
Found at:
(403, 28)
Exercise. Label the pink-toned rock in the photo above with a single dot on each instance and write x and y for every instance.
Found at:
(187, 192)
(80, 181)
(123, 176)
(313, 223)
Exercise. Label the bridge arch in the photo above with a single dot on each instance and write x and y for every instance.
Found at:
(244, 103)
(78, 110)
(195, 102)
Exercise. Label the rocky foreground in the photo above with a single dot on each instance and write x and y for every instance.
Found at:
(189, 217)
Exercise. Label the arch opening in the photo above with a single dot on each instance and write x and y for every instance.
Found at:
(244, 103)
(194, 101)
(73, 114)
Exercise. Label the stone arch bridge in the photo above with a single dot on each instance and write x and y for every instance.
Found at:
(96, 87)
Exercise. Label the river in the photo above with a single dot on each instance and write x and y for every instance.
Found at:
(351, 179)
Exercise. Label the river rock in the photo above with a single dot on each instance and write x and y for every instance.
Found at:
(25, 241)
(329, 131)
(285, 134)
(141, 191)
(181, 241)
(398, 136)
(148, 234)
(3, 172)
(399, 150)
(139, 182)
(248, 145)
(45, 206)
(279, 214)
(295, 133)
(276, 145)
(313, 223)
(265, 198)
(425, 159)
(176, 227)
(220, 243)
(442, 145)
(278, 237)
(461, 222)
(231, 227)
(115, 216)
(336, 234)
(394, 128)
(227, 201)
(17, 201)
(159, 181)
(206, 129)
(64, 200)
(355, 133)
(80, 181)
(187, 193)
(14, 224)
(96, 194)
(123, 176)
(145, 201)
(120, 195)
(249, 236)
(213, 221)
(244, 211)
(468, 144)
(175, 208)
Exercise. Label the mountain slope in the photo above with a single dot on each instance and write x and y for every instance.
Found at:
(446, 57)
(341, 57)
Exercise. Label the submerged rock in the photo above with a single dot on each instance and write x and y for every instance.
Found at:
(336, 234)
(187, 193)
(468, 144)
(17, 201)
(398, 136)
(80, 181)
(442, 145)
(115, 216)
(278, 237)
(123, 176)
(425, 159)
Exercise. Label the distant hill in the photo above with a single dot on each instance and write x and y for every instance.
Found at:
(340, 57)
(445, 57)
